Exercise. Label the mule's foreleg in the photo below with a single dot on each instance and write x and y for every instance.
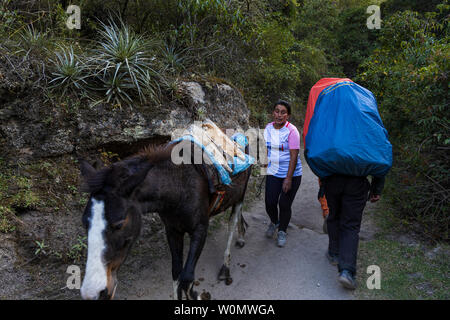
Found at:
(242, 227)
(224, 273)
(187, 276)
(175, 240)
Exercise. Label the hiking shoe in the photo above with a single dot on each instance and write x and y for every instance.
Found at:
(271, 230)
(347, 280)
(332, 258)
(281, 241)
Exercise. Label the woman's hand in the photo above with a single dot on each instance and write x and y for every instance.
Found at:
(287, 184)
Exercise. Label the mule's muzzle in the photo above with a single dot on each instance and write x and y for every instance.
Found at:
(104, 295)
(109, 292)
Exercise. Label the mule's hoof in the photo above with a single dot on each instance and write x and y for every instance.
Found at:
(191, 295)
(224, 273)
(205, 295)
(240, 243)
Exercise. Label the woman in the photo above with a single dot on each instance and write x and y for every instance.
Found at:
(284, 172)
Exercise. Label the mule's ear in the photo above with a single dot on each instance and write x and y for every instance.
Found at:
(98, 164)
(87, 172)
(93, 180)
(86, 169)
(134, 180)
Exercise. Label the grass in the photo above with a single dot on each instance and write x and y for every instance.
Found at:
(410, 268)
(16, 193)
(406, 271)
(6, 226)
(47, 185)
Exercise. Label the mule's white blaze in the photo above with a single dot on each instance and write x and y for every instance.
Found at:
(95, 279)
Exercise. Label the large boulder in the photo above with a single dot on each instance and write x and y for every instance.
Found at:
(31, 127)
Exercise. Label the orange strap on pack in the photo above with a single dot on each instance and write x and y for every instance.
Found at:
(216, 201)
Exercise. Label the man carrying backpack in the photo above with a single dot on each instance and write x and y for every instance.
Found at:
(345, 142)
(346, 197)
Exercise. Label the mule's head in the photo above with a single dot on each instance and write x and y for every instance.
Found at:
(112, 220)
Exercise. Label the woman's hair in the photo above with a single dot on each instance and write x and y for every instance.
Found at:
(283, 103)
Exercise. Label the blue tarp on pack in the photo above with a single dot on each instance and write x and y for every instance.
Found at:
(238, 165)
(346, 134)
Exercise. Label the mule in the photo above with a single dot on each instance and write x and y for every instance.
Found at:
(150, 182)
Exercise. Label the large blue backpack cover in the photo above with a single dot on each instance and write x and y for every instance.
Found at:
(346, 134)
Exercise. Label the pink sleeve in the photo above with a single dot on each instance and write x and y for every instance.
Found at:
(294, 138)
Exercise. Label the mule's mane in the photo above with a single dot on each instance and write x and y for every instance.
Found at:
(156, 153)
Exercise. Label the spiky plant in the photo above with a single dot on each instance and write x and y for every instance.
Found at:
(33, 40)
(174, 60)
(69, 71)
(116, 89)
(123, 63)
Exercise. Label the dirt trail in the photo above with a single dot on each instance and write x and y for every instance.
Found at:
(260, 270)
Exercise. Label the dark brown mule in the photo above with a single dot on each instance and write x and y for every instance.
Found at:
(151, 182)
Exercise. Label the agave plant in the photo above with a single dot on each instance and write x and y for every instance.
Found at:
(116, 89)
(174, 60)
(152, 88)
(33, 40)
(70, 72)
(123, 62)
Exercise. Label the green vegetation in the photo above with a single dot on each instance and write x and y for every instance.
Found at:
(119, 67)
(68, 71)
(137, 50)
(134, 53)
(408, 73)
(78, 251)
(41, 248)
(410, 269)
(46, 186)
(16, 194)
(6, 225)
(406, 271)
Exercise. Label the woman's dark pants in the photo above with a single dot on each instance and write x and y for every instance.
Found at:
(276, 197)
(346, 197)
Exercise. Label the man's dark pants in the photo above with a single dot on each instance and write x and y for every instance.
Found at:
(346, 197)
